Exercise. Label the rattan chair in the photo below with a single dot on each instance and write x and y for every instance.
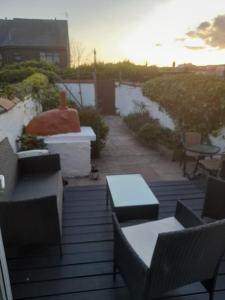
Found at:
(159, 256)
(214, 204)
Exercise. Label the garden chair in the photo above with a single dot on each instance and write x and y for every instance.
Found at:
(189, 139)
(214, 166)
(159, 256)
(214, 204)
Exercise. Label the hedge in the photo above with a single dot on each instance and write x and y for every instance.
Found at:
(38, 86)
(89, 116)
(17, 72)
(150, 132)
(195, 102)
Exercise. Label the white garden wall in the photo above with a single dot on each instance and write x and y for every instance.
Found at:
(87, 91)
(12, 121)
(219, 140)
(128, 98)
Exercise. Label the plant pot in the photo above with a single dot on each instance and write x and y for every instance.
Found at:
(94, 175)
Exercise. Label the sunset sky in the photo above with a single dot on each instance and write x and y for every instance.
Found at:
(156, 31)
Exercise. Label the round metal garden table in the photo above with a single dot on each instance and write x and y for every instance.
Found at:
(202, 150)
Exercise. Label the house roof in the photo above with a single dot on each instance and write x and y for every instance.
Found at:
(33, 33)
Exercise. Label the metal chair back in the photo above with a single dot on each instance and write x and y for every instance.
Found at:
(192, 138)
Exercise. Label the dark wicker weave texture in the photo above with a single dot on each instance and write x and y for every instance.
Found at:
(180, 257)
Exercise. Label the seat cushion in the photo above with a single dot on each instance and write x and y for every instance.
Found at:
(143, 237)
(213, 164)
(35, 186)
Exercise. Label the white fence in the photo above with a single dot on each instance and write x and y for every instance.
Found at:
(87, 95)
(129, 99)
(13, 121)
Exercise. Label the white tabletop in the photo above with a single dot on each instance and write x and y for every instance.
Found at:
(130, 190)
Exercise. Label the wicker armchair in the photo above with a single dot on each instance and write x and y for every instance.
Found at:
(160, 256)
(214, 204)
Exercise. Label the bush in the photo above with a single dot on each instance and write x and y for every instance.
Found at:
(17, 72)
(149, 131)
(136, 120)
(36, 85)
(41, 90)
(149, 134)
(89, 116)
(28, 142)
(195, 102)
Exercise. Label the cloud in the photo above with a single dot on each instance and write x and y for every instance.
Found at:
(194, 47)
(180, 39)
(212, 33)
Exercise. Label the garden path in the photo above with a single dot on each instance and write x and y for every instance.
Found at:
(123, 154)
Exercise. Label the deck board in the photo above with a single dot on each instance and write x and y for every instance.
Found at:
(85, 270)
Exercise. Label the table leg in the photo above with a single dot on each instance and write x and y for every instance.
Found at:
(184, 165)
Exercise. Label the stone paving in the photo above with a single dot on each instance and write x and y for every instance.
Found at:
(123, 154)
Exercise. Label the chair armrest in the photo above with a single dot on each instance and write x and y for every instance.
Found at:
(128, 262)
(35, 221)
(39, 164)
(186, 216)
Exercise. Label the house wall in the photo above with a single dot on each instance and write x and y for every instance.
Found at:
(12, 121)
(11, 55)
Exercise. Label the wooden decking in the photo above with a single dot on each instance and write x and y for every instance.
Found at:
(85, 270)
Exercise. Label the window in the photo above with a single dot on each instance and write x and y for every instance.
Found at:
(50, 57)
(17, 57)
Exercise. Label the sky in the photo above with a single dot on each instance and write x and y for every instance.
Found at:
(154, 31)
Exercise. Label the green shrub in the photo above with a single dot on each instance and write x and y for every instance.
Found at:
(28, 142)
(195, 102)
(152, 134)
(17, 72)
(89, 116)
(149, 131)
(149, 134)
(36, 85)
(41, 90)
(136, 120)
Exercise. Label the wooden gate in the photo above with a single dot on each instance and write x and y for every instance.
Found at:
(106, 96)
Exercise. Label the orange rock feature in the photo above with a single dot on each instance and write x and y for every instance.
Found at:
(55, 121)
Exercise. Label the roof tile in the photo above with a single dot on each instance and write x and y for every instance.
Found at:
(6, 103)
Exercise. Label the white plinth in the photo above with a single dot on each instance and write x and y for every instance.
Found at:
(74, 150)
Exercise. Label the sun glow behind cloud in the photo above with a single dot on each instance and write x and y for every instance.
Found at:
(156, 37)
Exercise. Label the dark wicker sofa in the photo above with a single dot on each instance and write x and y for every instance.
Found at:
(31, 205)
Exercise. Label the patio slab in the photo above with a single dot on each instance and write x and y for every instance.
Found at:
(123, 154)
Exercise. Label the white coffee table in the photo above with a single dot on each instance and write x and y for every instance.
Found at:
(131, 197)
